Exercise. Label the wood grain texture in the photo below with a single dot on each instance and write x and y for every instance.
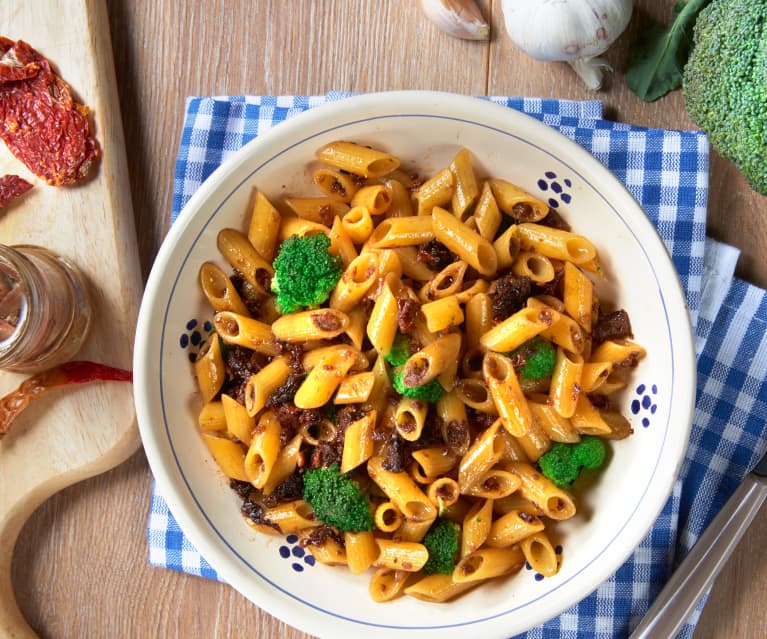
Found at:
(80, 567)
(68, 436)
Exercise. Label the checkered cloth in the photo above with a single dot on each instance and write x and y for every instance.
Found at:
(667, 172)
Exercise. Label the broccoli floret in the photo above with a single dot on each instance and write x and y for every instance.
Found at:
(400, 351)
(442, 541)
(337, 499)
(538, 357)
(305, 272)
(725, 83)
(431, 391)
(563, 462)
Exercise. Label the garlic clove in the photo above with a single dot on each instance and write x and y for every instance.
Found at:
(590, 70)
(458, 18)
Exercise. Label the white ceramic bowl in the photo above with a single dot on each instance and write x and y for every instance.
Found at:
(425, 129)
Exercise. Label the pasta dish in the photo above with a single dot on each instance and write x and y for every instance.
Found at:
(415, 375)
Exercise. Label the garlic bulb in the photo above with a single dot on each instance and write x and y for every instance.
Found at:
(574, 31)
(459, 18)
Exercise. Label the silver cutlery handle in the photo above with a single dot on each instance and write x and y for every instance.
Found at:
(697, 572)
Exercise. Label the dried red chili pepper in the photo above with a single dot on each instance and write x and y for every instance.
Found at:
(11, 187)
(65, 374)
(40, 121)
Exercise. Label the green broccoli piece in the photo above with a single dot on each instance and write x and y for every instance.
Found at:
(562, 463)
(431, 391)
(538, 357)
(400, 350)
(305, 272)
(442, 541)
(337, 499)
(725, 83)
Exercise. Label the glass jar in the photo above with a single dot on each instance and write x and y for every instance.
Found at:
(45, 309)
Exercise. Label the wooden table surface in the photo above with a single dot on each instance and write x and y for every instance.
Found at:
(80, 568)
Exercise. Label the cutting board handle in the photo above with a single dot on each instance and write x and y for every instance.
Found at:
(13, 625)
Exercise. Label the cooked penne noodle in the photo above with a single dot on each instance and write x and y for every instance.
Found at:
(242, 255)
(510, 402)
(355, 282)
(533, 265)
(556, 243)
(594, 375)
(382, 325)
(556, 427)
(540, 554)
(622, 353)
(454, 423)
(264, 450)
(587, 420)
(487, 215)
(357, 159)
(411, 266)
(554, 502)
(518, 203)
(337, 185)
(438, 588)
(578, 295)
(535, 442)
(435, 461)
(357, 223)
(507, 246)
(401, 204)
(403, 492)
(358, 442)
(322, 323)
(355, 331)
(469, 245)
(355, 389)
(361, 551)
(285, 464)
(321, 210)
(395, 232)
(516, 329)
(264, 227)
(565, 382)
(494, 484)
(400, 555)
(432, 360)
(447, 282)
(292, 225)
(229, 455)
(239, 423)
(245, 331)
(409, 418)
(262, 384)
(487, 563)
(323, 380)
(387, 517)
(482, 455)
(479, 318)
(474, 393)
(220, 291)
(387, 584)
(209, 368)
(513, 527)
(443, 313)
(476, 526)
(465, 189)
(436, 191)
(328, 551)
(376, 198)
(211, 417)
(443, 493)
(340, 242)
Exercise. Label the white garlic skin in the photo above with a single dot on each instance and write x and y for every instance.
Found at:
(458, 18)
(565, 30)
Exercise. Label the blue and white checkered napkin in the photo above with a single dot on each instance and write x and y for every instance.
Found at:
(667, 172)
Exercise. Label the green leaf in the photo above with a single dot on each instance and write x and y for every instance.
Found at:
(656, 61)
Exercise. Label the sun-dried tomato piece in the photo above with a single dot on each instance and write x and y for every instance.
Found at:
(40, 121)
(11, 187)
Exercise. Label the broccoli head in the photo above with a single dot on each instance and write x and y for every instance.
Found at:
(400, 350)
(431, 391)
(442, 541)
(305, 272)
(725, 83)
(537, 357)
(562, 463)
(337, 499)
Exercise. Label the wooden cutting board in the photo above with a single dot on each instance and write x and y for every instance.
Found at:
(76, 432)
